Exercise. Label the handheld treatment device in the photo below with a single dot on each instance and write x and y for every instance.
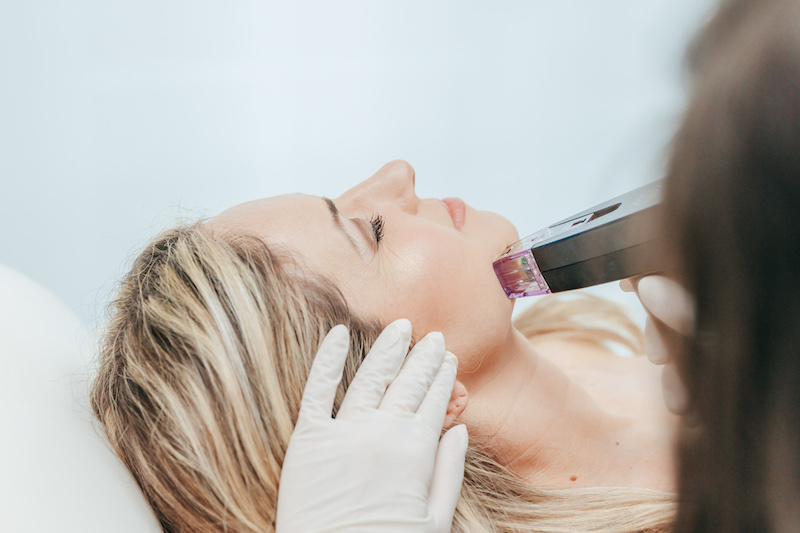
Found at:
(611, 241)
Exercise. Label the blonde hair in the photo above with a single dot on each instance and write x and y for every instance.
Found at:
(202, 368)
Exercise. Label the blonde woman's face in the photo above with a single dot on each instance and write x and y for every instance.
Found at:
(422, 267)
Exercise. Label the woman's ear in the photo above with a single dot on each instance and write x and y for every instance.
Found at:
(458, 402)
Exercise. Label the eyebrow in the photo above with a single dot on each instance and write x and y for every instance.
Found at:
(337, 219)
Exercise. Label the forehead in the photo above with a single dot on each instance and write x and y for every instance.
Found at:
(275, 219)
(298, 223)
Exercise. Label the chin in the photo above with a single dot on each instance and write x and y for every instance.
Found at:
(507, 233)
(512, 229)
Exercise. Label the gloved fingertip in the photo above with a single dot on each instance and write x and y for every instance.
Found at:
(654, 346)
(448, 476)
(433, 341)
(462, 437)
(668, 301)
(454, 443)
(402, 326)
(338, 335)
(339, 330)
(676, 397)
(658, 358)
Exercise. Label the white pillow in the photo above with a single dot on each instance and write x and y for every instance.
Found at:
(57, 472)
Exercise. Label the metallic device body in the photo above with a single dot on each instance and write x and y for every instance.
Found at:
(611, 241)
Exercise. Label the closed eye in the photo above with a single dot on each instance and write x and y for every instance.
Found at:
(378, 224)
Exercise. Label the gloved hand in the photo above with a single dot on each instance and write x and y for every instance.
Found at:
(375, 468)
(670, 314)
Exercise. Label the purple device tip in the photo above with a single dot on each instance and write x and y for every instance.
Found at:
(517, 270)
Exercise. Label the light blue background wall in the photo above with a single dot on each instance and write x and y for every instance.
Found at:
(115, 117)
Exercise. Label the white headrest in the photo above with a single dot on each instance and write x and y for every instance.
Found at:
(56, 470)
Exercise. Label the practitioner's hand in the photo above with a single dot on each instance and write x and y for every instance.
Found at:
(670, 315)
(375, 467)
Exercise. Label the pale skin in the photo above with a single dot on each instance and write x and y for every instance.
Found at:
(560, 414)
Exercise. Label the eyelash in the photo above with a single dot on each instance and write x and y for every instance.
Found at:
(377, 227)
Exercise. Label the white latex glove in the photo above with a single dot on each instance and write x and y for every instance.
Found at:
(375, 467)
(670, 314)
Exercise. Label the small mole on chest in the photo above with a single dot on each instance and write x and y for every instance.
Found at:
(573, 478)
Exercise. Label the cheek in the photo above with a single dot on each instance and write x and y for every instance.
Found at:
(449, 286)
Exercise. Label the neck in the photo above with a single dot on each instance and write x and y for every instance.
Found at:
(549, 430)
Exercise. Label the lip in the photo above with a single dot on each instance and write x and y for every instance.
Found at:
(457, 210)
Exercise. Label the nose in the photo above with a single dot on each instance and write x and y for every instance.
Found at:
(393, 185)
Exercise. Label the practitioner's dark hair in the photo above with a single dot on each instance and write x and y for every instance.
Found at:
(733, 199)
